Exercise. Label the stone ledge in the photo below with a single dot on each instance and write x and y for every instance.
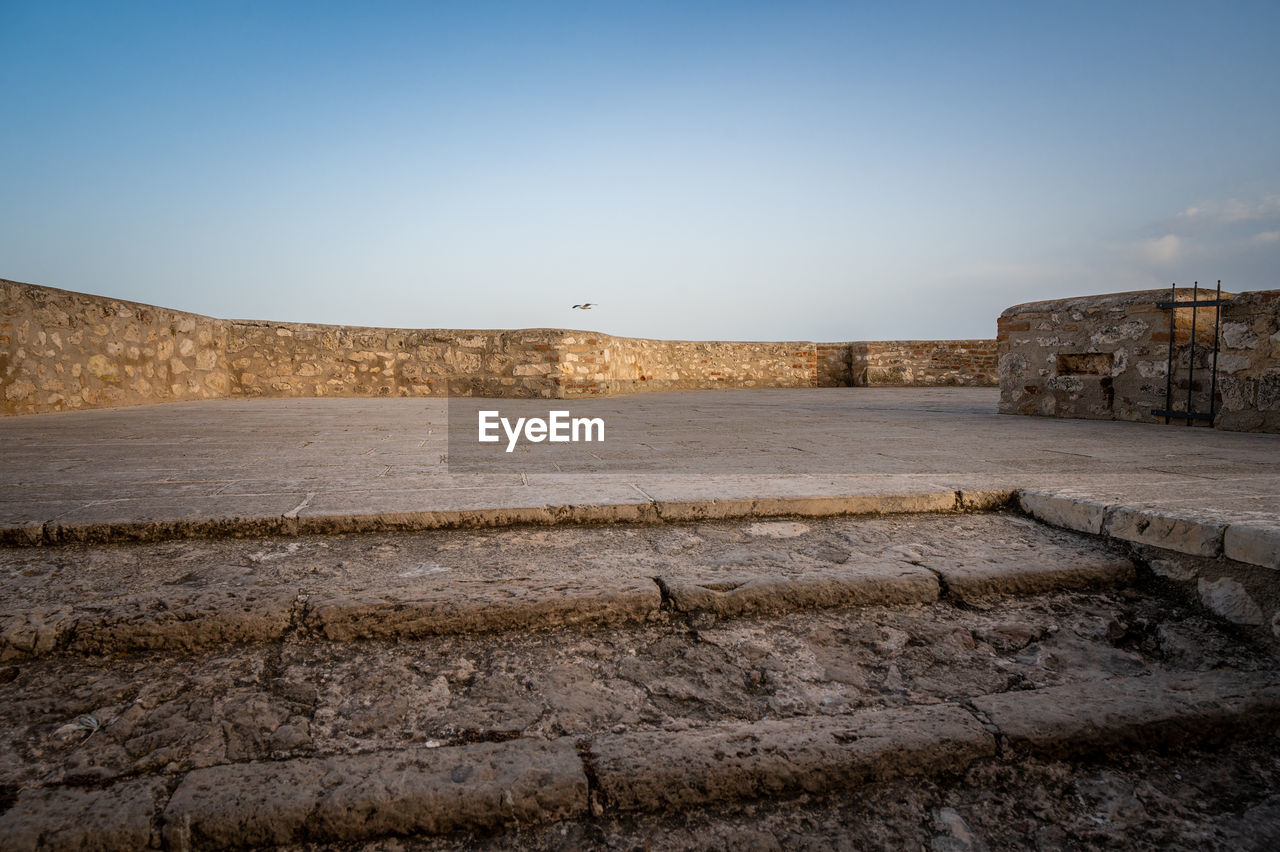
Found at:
(1170, 531)
(480, 606)
(1066, 512)
(1254, 544)
(307, 522)
(358, 797)
(655, 770)
(1251, 543)
(869, 585)
(1046, 574)
(1133, 712)
(482, 787)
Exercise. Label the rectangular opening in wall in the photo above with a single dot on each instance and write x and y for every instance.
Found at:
(1085, 364)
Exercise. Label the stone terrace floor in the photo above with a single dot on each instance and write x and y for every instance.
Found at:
(336, 457)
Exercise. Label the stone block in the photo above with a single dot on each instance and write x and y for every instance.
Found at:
(359, 797)
(1169, 531)
(1067, 512)
(1253, 543)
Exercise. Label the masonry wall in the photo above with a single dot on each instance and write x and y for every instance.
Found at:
(1106, 357)
(61, 350)
(296, 359)
(1249, 363)
(917, 363)
(602, 364)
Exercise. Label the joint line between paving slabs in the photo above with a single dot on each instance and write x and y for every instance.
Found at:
(643, 493)
(293, 513)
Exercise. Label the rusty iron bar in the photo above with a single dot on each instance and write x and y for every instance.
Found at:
(1213, 380)
(1191, 358)
(1168, 373)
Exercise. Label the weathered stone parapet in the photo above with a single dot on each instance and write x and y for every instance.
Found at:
(923, 363)
(1249, 363)
(61, 350)
(597, 364)
(1106, 357)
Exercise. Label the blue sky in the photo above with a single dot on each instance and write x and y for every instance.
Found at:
(815, 171)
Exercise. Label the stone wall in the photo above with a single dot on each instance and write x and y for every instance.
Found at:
(835, 367)
(598, 364)
(1106, 357)
(923, 363)
(1249, 363)
(296, 359)
(61, 350)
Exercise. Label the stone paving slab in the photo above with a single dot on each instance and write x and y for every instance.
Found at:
(384, 458)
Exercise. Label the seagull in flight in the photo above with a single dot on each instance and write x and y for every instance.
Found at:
(586, 306)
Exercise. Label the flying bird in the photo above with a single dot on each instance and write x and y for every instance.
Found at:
(586, 306)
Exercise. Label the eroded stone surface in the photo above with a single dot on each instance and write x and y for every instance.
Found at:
(433, 791)
(659, 769)
(203, 594)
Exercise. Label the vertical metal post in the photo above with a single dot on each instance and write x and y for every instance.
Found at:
(1168, 373)
(1213, 382)
(1191, 358)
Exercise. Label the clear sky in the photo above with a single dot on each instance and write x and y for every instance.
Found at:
(735, 170)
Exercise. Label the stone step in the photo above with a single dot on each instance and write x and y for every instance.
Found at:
(189, 596)
(486, 786)
(92, 719)
(161, 521)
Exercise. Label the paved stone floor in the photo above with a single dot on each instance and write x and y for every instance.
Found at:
(335, 457)
(923, 680)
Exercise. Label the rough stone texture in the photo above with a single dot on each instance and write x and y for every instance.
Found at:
(430, 791)
(116, 818)
(338, 720)
(1256, 544)
(1249, 363)
(482, 605)
(914, 363)
(835, 368)
(652, 770)
(1197, 536)
(1193, 799)
(1228, 598)
(196, 595)
(863, 586)
(1106, 357)
(1245, 595)
(1066, 512)
(1170, 709)
(1048, 568)
(62, 350)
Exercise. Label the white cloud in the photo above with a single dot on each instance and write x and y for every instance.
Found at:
(1232, 210)
(1163, 251)
(1265, 238)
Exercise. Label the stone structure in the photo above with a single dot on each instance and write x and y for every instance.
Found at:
(913, 363)
(61, 350)
(1106, 357)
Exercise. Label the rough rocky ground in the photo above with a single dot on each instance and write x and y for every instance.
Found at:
(1193, 800)
(139, 667)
